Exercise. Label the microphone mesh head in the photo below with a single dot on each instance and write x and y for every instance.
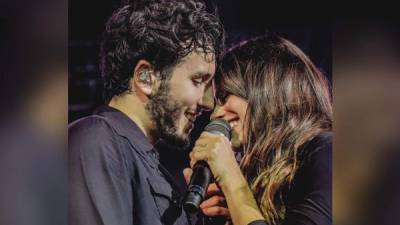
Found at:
(219, 126)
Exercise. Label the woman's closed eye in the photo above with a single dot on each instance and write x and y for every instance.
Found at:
(221, 98)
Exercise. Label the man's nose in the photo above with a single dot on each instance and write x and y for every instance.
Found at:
(207, 101)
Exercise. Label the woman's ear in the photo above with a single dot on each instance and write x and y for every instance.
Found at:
(143, 78)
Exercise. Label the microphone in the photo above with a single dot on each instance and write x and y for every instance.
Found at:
(202, 176)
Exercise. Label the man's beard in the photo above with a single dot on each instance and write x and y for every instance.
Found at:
(165, 112)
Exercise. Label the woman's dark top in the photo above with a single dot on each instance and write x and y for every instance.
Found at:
(309, 199)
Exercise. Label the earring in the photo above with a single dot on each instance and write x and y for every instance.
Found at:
(144, 76)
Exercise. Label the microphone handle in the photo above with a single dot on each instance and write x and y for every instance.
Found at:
(201, 178)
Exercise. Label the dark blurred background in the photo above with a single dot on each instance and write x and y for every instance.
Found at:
(240, 19)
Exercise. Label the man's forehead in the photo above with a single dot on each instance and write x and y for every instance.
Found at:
(198, 64)
(199, 55)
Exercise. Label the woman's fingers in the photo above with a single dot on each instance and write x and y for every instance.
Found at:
(201, 142)
(209, 139)
(197, 155)
(187, 173)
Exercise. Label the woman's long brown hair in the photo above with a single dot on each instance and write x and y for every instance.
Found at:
(289, 104)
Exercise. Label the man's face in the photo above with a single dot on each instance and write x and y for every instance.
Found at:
(178, 101)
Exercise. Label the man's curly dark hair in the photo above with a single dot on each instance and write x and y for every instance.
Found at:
(159, 31)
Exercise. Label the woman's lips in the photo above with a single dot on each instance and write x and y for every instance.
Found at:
(233, 123)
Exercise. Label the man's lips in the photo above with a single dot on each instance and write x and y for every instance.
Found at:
(191, 116)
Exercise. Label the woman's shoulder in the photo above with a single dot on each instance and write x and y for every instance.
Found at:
(314, 174)
(310, 193)
(318, 149)
(315, 169)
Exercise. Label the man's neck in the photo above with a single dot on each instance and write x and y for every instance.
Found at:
(134, 108)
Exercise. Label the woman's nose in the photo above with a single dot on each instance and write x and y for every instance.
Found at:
(207, 101)
(219, 112)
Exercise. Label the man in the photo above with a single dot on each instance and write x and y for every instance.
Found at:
(157, 61)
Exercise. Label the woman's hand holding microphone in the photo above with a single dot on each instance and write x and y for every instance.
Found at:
(217, 152)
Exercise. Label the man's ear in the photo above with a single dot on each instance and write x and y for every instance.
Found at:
(144, 78)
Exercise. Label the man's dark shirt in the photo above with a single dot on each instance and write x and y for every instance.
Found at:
(116, 177)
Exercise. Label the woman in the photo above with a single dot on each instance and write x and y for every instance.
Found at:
(279, 107)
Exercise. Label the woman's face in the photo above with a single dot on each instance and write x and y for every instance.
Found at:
(233, 110)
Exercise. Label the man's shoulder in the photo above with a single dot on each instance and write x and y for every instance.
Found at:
(89, 129)
(88, 123)
(93, 141)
